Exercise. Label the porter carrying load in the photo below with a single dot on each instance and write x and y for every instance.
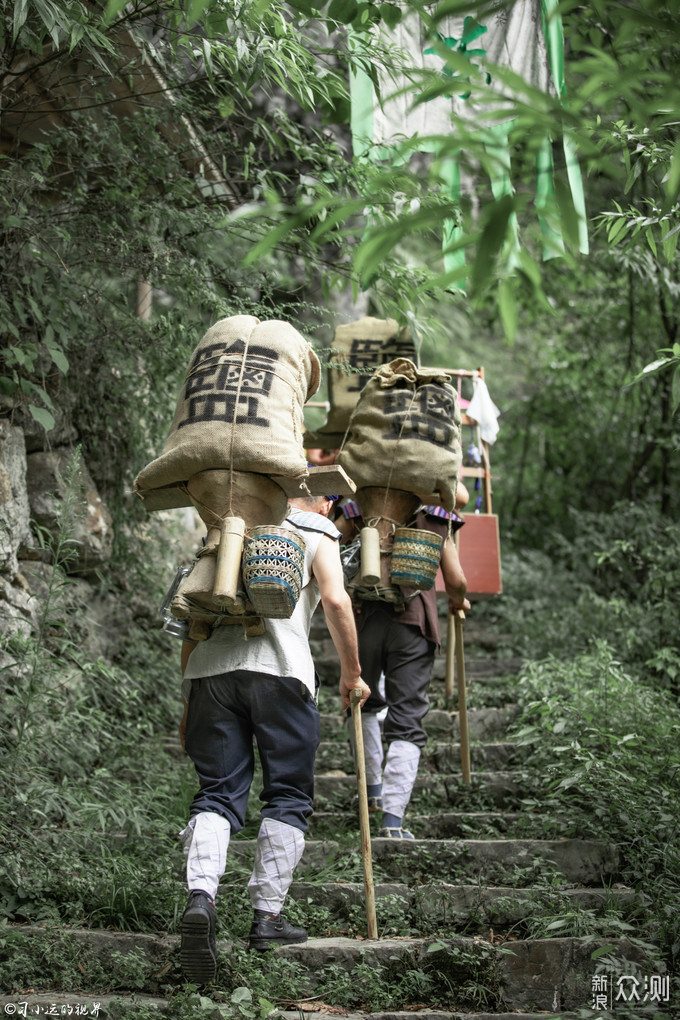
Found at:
(234, 452)
(403, 450)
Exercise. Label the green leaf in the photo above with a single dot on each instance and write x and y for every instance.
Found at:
(195, 10)
(59, 358)
(303, 6)
(673, 178)
(20, 15)
(568, 215)
(343, 11)
(492, 238)
(507, 306)
(390, 14)
(675, 389)
(112, 10)
(42, 416)
(602, 951)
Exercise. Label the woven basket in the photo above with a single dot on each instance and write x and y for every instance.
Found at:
(273, 560)
(415, 558)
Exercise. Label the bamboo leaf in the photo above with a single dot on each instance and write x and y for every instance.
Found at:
(195, 10)
(491, 241)
(112, 10)
(507, 306)
(675, 389)
(20, 15)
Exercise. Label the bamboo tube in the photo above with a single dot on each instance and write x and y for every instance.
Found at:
(364, 824)
(462, 698)
(370, 556)
(228, 568)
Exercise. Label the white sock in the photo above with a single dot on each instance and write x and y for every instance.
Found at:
(401, 769)
(279, 849)
(373, 749)
(206, 839)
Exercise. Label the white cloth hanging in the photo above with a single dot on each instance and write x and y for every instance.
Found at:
(483, 410)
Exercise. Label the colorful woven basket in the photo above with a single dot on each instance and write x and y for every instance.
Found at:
(273, 561)
(415, 558)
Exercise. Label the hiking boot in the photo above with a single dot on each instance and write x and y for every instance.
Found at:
(269, 930)
(198, 954)
(395, 833)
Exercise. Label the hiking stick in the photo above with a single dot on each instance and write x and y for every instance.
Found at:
(364, 824)
(450, 655)
(462, 697)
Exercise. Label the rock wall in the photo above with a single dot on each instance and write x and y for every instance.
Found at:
(50, 511)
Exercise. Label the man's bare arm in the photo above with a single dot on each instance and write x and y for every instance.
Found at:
(454, 578)
(337, 607)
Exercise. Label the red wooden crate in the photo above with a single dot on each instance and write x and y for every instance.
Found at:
(480, 556)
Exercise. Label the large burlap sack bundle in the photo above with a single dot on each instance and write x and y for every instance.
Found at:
(241, 404)
(405, 433)
(358, 349)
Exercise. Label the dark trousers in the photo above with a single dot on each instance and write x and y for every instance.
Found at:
(225, 714)
(405, 656)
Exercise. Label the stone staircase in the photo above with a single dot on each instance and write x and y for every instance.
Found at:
(455, 906)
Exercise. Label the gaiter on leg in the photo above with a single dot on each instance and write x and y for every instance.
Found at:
(373, 749)
(401, 769)
(279, 849)
(206, 839)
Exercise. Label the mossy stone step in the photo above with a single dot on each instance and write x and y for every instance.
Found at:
(441, 903)
(576, 861)
(444, 825)
(483, 723)
(481, 669)
(442, 756)
(129, 1007)
(495, 788)
(541, 974)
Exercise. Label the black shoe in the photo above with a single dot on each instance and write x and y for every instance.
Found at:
(198, 955)
(269, 930)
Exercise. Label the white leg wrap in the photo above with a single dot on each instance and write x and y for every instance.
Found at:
(373, 749)
(279, 849)
(206, 839)
(401, 769)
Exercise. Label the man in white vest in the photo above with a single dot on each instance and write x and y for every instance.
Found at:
(262, 688)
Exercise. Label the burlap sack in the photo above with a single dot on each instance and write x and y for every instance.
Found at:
(405, 433)
(358, 349)
(241, 404)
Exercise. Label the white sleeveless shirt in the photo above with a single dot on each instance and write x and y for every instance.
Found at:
(283, 649)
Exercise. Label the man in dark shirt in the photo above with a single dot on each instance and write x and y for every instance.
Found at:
(399, 644)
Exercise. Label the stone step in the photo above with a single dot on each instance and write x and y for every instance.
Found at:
(477, 669)
(541, 974)
(443, 756)
(118, 1007)
(439, 826)
(443, 903)
(483, 723)
(515, 862)
(481, 669)
(81, 1004)
(500, 789)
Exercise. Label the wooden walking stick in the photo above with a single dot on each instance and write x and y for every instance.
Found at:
(459, 617)
(364, 825)
(450, 658)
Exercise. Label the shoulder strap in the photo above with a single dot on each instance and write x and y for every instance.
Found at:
(307, 521)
